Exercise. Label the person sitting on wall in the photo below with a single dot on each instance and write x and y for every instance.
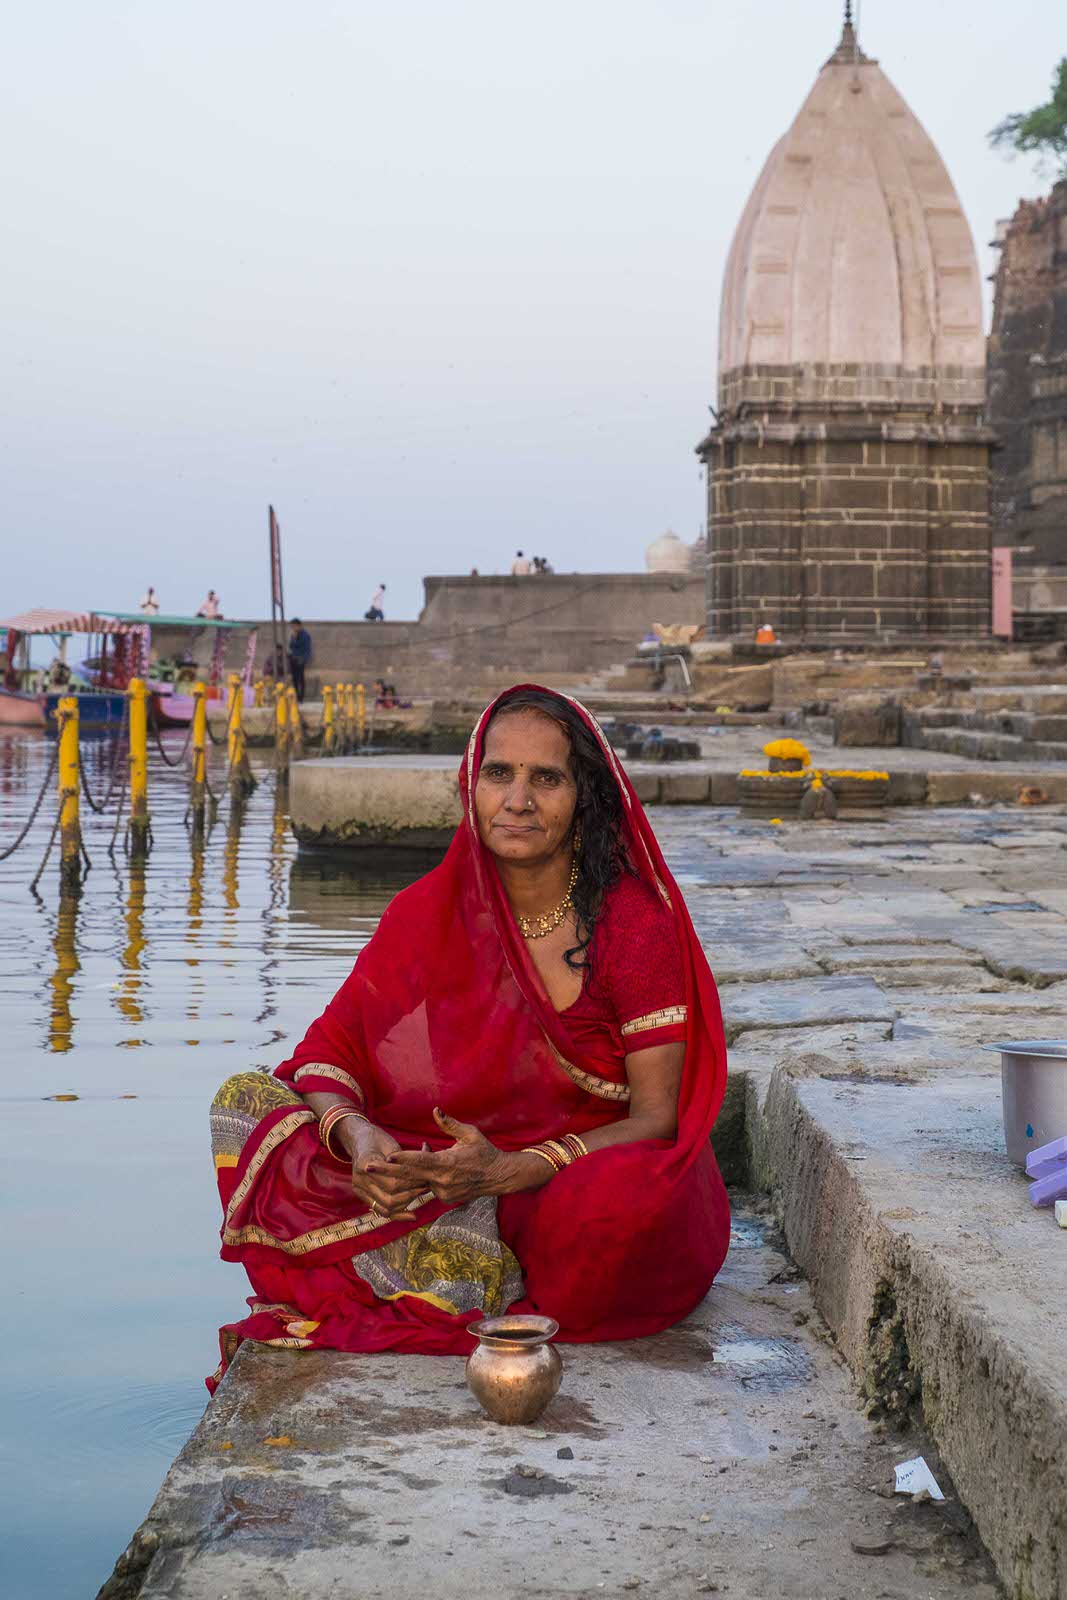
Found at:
(508, 1102)
(765, 634)
(520, 567)
(299, 655)
(209, 607)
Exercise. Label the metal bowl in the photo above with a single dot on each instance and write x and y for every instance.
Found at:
(1033, 1086)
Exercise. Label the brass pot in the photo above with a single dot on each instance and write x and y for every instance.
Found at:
(514, 1372)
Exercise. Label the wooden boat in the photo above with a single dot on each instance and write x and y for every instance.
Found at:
(103, 704)
(18, 710)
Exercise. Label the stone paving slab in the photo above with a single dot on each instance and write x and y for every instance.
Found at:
(723, 1456)
(811, 1002)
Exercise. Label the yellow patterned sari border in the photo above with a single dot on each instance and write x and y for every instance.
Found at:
(603, 1088)
(667, 1018)
(321, 1069)
(304, 1243)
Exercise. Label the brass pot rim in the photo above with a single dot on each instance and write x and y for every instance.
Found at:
(494, 1331)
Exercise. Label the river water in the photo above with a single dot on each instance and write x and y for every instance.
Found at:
(138, 998)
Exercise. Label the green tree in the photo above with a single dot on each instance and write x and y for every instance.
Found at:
(1042, 131)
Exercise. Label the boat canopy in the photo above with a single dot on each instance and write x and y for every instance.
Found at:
(42, 620)
(156, 619)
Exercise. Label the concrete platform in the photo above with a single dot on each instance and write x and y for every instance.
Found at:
(862, 967)
(724, 1456)
(362, 801)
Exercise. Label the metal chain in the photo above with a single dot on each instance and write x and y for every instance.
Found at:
(10, 851)
(48, 847)
(118, 810)
(116, 765)
(182, 753)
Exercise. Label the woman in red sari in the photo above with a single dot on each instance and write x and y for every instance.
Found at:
(507, 1104)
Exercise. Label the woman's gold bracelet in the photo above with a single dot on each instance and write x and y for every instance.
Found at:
(328, 1122)
(559, 1153)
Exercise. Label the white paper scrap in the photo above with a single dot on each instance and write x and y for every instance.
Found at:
(1061, 1213)
(914, 1476)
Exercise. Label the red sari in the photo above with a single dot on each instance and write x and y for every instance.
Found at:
(445, 1008)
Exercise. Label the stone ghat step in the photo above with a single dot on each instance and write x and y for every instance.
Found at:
(1048, 699)
(414, 801)
(978, 745)
(1033, 726)
(936, 1276)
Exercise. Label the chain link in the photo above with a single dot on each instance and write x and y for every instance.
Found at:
(115, 767)
(10, 851)
(48, 847)
(182, 753)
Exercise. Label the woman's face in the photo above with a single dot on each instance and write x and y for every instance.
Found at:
(526, 794)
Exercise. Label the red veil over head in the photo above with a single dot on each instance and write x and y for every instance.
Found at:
(444, 1007)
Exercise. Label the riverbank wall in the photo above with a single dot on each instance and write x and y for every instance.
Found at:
(480, 634)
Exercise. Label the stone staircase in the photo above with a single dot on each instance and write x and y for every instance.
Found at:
(1021, 722)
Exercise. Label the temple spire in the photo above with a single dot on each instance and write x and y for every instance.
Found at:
(848, 52)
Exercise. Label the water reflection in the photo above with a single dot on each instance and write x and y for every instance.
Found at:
(128, 998)
(123, 1298)
(61, 982)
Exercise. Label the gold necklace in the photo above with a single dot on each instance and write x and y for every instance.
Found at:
(540, 927)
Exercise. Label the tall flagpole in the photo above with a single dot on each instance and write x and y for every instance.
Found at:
(277, 598)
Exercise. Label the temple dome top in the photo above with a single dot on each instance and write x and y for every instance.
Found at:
(668, 553)
(853, 247)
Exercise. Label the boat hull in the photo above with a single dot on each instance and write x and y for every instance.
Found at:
(94, 710)
(18, 710)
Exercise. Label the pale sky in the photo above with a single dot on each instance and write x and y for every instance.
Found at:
(439, 278)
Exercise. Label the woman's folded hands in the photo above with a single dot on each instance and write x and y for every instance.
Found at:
(384, 1190)
(469, 1168)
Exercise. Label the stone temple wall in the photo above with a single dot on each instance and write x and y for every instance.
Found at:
(864, 520)
(1027, 381)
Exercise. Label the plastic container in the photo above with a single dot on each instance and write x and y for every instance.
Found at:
(1048, 1168)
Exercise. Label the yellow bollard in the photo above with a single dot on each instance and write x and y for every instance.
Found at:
(361, 713)
(281, 728)
(70, 833)
(233, 718)
(241, 780)
(258, 692)
(138, 765)
(199, 791)
(328, 729)
(344, 737)
(296, 727)
(350, 716)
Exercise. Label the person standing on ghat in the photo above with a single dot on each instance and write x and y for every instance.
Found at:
(520, 567)
(375, 612)
(299, 654)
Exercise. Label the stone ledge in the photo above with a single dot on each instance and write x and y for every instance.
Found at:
(943, 1286)
(363, 802)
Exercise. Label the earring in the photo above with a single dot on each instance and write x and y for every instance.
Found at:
(577, 838)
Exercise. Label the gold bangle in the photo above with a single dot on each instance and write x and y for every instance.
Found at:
(539, 1150)
(328, 1122)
